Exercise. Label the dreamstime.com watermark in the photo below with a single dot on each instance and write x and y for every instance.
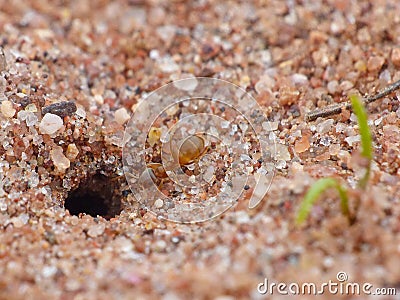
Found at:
(341, 287)
(195, 139)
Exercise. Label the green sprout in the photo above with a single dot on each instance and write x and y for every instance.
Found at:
(315, 191)
(366, 139)
(323, 184)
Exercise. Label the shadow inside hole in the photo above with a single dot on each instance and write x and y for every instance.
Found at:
(96, 197)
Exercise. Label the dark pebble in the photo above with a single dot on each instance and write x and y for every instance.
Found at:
(62, 109)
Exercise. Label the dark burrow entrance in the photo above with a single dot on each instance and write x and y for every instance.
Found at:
(98, 195)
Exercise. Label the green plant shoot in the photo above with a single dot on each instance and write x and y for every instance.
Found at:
(366, 139)
(315, 191)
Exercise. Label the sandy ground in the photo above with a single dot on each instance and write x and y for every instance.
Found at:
(86, 64)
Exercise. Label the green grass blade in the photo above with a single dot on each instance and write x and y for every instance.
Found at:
(366, 138)
(344, 201)
(312, 195)
(362, 118)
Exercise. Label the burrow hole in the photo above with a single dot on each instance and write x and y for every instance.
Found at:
(96, 196)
